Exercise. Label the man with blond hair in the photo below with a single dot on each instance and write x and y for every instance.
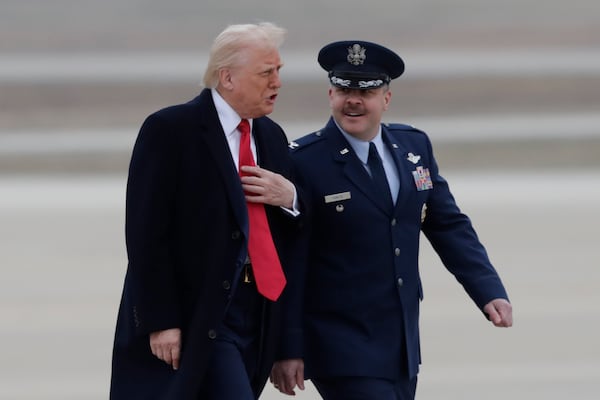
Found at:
(199, 310)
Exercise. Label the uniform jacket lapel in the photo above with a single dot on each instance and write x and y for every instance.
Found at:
(353, 168)
(399, 153)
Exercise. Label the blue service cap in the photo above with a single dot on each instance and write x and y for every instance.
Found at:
(356, 64)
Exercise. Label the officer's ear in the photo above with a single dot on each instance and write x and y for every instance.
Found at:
(387, 98)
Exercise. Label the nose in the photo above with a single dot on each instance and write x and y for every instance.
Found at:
(353, 96)
(276, 80)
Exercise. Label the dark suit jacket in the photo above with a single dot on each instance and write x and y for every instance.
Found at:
(186, 234)
(361, 283)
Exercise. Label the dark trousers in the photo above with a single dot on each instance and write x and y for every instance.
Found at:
(236, 352)
(365, 388)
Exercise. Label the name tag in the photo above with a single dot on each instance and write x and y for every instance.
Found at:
(332, 198)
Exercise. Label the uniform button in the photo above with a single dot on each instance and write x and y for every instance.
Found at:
(226, 285)
(394, 222)
(397, 251)
(212, 334)
(235, 235)
(400, 282)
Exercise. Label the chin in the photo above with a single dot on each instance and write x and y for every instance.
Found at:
(353, 125)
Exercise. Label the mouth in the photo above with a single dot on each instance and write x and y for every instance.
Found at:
(272, 98)
(353, 114)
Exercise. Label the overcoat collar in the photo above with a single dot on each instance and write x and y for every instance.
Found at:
(211, 134)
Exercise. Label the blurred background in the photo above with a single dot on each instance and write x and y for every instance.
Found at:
(509, 93)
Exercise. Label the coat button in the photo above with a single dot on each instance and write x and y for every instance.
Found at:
(397, 251)
(212, 334)
(235, 235)
(393, 221)
(400, 282)
(226, 285)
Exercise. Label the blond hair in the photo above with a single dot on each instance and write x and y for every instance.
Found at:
(227, 49)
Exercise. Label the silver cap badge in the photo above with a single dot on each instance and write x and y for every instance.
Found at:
(356, 54)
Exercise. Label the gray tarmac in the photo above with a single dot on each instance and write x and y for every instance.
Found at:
(63, 262)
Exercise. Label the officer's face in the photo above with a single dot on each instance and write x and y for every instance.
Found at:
(251, 88)
(359, 112)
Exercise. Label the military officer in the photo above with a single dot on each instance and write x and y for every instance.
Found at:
(370, 189)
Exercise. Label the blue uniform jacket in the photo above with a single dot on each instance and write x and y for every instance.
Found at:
(186, 233)
(354, 309)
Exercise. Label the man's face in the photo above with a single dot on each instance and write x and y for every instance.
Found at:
(256, 82)
(359, 112)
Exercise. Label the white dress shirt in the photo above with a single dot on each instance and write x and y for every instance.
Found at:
(230, 120)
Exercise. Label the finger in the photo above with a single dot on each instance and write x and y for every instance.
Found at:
(279, 383)
(300, 377)
(157, 351)
(175, 356)
(253, 189)
(501, 313)
(252, 180)
(166, 356)
(154, 349)
(274, 376)
(506, 317)
(281, 387)
(252, 170)
(494, 316)
(291, 379)
(286, 389)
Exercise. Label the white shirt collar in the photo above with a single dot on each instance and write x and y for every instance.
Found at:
(361, 147)
(227, 116)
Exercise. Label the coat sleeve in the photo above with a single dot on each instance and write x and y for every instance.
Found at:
(151, 190)
(453, 237)
(292, 331)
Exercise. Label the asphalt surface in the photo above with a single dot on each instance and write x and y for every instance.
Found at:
(63, 262)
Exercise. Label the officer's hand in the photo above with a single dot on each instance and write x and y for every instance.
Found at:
(166, 345)
(499, 311)
(264, 186)
(286, 374)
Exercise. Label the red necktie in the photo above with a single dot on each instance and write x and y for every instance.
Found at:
(266, 267)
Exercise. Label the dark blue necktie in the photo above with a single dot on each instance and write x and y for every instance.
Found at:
(378, 176)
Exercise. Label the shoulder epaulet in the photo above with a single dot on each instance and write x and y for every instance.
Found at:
(402, 127)
(305, 141)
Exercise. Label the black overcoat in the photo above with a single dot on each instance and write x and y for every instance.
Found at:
(186, 234)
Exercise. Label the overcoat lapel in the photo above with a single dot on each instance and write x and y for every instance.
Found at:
(212, 135)
(261, 139)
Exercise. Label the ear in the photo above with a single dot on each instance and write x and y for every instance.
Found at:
(387, 97)
(225, 79)
(330, 93)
